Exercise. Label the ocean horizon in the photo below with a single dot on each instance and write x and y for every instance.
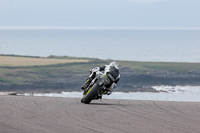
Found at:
(119, 44)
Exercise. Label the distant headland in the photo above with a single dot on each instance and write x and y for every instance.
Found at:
(62, 73)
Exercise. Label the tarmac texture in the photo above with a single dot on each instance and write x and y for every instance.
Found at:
(22, 114)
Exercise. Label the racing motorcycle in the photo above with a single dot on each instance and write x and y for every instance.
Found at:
(97, 87)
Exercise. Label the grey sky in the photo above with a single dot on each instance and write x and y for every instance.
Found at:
(101, 13)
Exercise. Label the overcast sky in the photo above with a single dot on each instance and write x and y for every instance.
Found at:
(101, 13)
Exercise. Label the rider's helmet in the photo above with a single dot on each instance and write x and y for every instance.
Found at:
(114, 64)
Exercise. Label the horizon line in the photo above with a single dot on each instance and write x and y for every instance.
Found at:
(93, 28)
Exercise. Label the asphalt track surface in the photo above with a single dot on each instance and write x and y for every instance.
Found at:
(20, 114)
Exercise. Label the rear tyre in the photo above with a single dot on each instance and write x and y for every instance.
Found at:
(90, 95)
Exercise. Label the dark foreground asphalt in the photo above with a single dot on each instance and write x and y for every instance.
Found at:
(20, 114)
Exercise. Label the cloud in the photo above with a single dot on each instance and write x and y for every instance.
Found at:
(145, 1)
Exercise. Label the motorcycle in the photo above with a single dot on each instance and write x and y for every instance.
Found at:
(97, 87)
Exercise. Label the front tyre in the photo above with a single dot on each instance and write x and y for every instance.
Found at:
(90, 95)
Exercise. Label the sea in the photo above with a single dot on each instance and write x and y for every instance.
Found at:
(114, 44)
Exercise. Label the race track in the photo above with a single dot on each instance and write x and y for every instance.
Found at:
(20, 114)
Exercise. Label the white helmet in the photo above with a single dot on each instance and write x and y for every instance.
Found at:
(114, 64)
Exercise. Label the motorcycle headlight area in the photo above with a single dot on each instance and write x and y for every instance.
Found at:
(101, 78)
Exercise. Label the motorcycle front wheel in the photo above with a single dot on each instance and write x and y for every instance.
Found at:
(91, 93)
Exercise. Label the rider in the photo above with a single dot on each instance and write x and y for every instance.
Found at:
(113, 66)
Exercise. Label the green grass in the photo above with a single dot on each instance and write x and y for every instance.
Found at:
(4, 80)
(169, 66)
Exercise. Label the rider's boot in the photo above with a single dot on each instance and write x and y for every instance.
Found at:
(86, 84)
